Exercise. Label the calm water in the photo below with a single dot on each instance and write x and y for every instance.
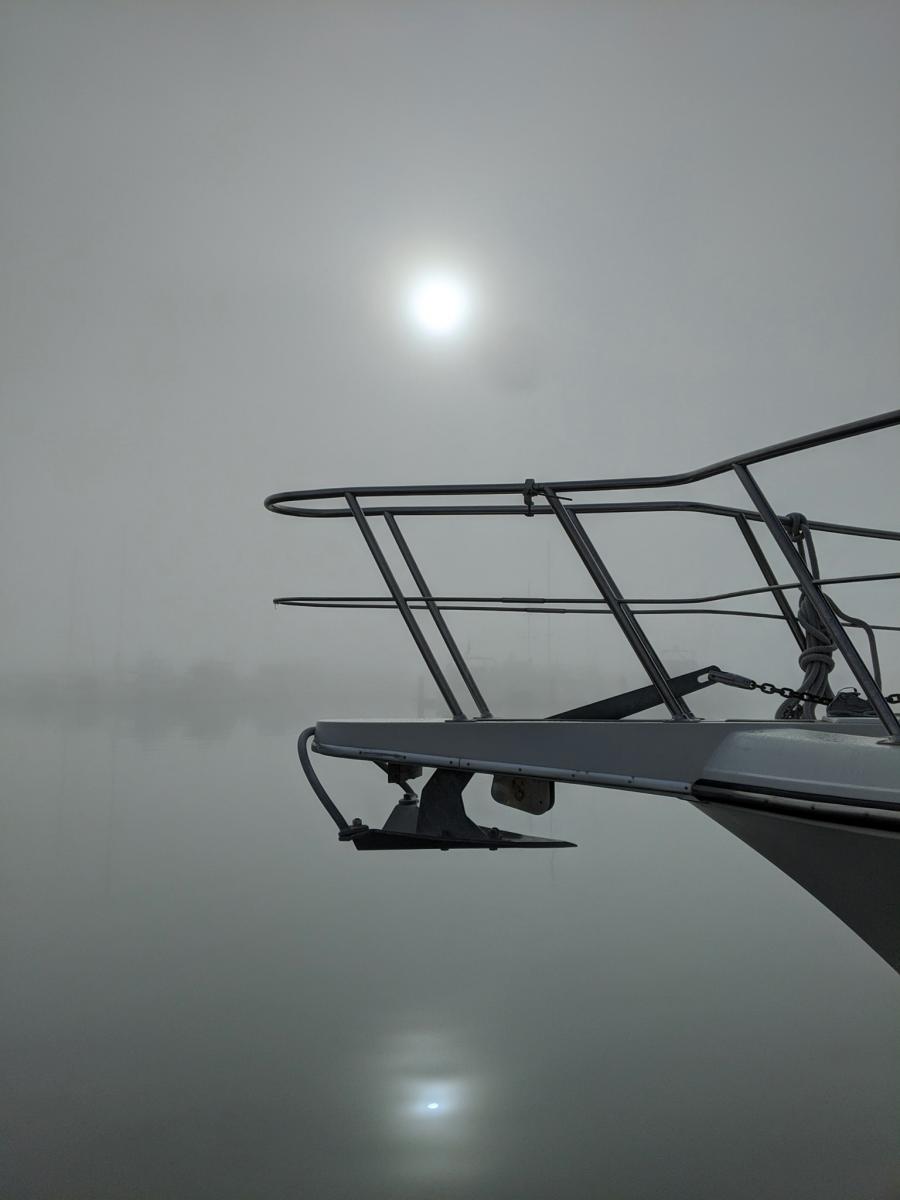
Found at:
(205, 995)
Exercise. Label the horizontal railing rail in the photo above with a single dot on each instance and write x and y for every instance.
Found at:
(286, 502)
(567, 600)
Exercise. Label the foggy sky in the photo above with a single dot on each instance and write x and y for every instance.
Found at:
(682, 220)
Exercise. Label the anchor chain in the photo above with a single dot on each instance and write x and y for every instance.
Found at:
(771, 689)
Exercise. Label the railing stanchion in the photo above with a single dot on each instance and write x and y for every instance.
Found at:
(769, 575)
(818, 600)
(627, 622)
(405, 611)
(449, 641)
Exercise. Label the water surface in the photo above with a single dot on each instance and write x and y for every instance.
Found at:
(205, 995)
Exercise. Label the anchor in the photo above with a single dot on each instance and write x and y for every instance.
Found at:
(437, 820)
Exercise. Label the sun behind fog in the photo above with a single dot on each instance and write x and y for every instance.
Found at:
(439, 304)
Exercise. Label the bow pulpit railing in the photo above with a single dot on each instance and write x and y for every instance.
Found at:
(818, 626)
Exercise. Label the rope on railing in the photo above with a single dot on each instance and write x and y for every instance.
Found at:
(817, 658)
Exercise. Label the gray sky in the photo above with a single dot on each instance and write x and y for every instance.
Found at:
(681, 219)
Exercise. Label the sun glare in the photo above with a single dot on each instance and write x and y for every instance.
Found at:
(439, 304)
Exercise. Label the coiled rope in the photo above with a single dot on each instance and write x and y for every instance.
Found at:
(817, 658)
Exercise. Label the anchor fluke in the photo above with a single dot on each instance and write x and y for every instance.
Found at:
(489, 839)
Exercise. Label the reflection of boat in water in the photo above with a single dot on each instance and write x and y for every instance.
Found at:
(816, 792)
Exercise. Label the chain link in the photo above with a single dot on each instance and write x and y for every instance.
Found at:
(770, 689)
